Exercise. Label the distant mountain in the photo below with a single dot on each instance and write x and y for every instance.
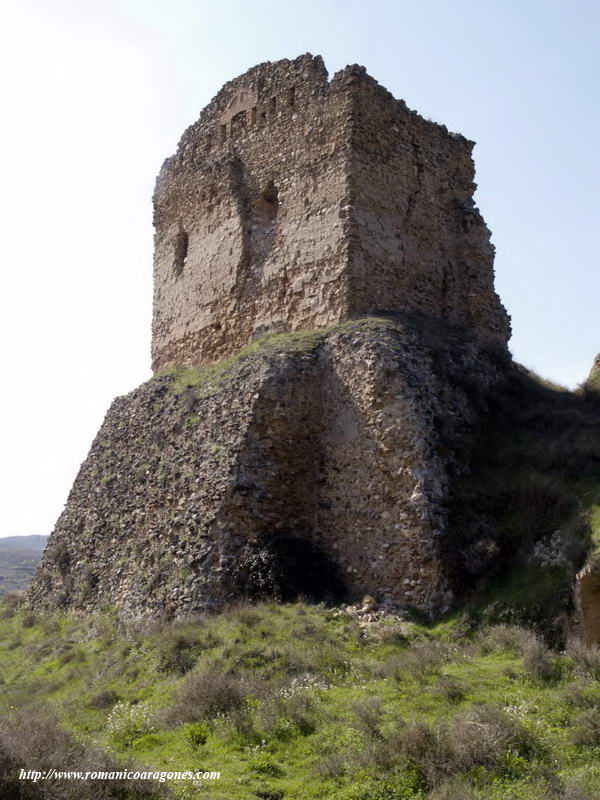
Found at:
(19, 558)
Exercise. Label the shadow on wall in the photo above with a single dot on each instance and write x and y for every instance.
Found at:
(522, 517)
(285, 568)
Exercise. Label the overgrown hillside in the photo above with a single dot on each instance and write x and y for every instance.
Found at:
(300, 701)
(292, 702)
(525, 515)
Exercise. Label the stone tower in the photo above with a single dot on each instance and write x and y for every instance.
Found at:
(296, 203)
(320, 463)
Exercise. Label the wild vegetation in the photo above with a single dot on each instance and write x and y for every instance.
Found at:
(297, 701)
(300, 701)
(526, 515)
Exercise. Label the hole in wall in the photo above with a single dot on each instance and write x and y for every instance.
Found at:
(292, 97)
(273, 105)
(253, 114)
(269, 200)
(181, 252)
(263, 223)
(223, 133)
(238, 123)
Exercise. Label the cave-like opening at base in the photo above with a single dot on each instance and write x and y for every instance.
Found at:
(285, 568)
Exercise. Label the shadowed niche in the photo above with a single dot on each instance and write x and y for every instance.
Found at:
(284, 568)
(181, 252)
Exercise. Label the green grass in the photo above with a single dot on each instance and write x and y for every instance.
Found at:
(324, 708)
(205, 379)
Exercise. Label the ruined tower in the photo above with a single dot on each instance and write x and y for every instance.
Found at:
(296, 203)
(317, 464)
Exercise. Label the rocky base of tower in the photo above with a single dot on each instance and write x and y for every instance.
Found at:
(312, 464)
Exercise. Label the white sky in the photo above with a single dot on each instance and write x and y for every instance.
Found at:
(96, 94)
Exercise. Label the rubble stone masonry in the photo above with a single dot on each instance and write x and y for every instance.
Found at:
(326, 458)
(296, 203)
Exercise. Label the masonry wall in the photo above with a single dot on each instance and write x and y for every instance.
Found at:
(418, 241)
(249, 230)
(345, 442)
(295, 203)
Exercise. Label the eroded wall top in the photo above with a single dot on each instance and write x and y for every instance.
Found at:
(296, 202)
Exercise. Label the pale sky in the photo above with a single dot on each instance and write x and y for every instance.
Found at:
(96, 94)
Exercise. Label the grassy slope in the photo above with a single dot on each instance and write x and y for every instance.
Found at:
(284, 742)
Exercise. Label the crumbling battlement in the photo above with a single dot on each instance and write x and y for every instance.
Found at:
(295, 203)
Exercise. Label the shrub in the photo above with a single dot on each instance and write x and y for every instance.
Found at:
(582, 694)
(287, 715)
(104, 699)
(178, 655)
(586, 658)
(586, 730)
(243, 725)
(419, 744)
(393, 632)
(248, 616)
(34, 736)
(196, 734)
(68, 653)
(335, 749)
(454, 789)
(263, 764)
(331, 765)
(418, 661)
(11, 602)
(483, 736)
(127, 722)
(574, 791)
(210, 691)
(269, 794)
(401, 785)
(450, 689)
(540, 665)
(505, 637)
(369, 714)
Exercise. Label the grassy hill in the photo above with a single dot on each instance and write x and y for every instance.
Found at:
(19, 558)
(294, 702)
